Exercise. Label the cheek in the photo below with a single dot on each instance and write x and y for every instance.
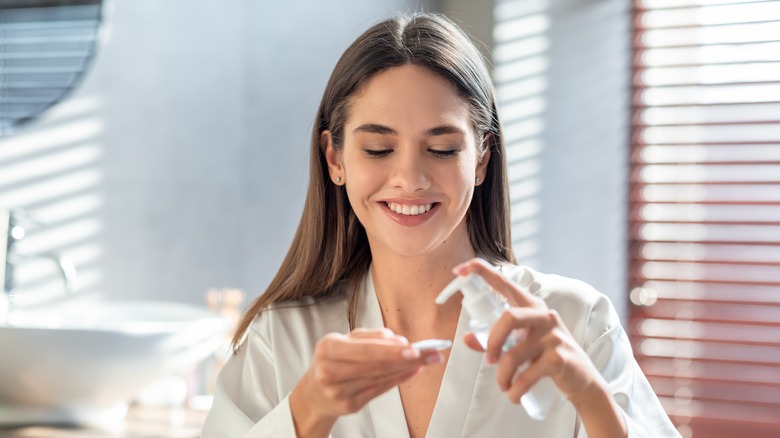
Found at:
(363, 179)
(463, 179)
(467, 171)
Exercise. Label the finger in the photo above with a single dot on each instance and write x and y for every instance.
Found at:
(343, 402)
(374, 391)
(553, 359)
(337, 372)
(514, 360)
(500, 283)
(383, 332)
(526, 379)
(564, 361)
(376, 333)
(355, 387)
(517, 322)
(471, 341)
(336, 346)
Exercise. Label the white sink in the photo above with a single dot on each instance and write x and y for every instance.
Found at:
(82, 364)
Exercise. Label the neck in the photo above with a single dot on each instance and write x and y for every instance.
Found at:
(406, 288)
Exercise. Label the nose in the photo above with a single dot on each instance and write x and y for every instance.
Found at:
(410, 172)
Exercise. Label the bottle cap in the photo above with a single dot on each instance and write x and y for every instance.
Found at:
(478, 299)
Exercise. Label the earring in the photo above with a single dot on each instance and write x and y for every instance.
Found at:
(338, 179)
(478, 180)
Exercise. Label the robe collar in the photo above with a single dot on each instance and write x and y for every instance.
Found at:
(457, 387)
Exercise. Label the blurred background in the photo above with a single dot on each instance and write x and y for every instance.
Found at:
(162, 147)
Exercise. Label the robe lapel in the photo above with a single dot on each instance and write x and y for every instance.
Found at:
(457, 387)
(386, 411)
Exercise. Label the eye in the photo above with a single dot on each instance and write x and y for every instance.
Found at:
(377, 153)
(444, 153)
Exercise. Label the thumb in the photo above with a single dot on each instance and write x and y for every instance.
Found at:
(471, 341)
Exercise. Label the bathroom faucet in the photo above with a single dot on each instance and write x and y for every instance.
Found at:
(13, 231)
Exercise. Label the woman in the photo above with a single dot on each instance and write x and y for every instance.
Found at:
(407, 189)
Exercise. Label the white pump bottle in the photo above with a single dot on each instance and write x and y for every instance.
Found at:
(484, 308)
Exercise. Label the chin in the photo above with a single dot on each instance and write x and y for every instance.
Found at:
(412, 249)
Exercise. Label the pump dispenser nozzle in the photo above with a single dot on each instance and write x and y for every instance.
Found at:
(479, 303)
(484, 308)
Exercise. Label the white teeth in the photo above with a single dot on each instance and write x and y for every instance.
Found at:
(410, 210)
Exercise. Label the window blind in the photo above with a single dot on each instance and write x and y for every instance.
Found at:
(46, 47)
(705, 212)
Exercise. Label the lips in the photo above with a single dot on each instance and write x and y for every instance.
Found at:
(409, 209)
(410, 213)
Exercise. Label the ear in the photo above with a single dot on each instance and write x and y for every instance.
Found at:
(333, 157)
(484, 158)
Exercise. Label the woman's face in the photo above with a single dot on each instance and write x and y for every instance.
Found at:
(409, 161)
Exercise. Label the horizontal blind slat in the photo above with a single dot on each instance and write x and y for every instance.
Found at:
(707, 331)
(714, 15)
(753, 374)
(696, 213)
(719, 391)
(671, 232)
(672, 290)
(757, 314)
(677, 4)
(707, 55)
(708, 74)
(746, 421)
(708, 94)
(700, 252)
(726, 133)
(719, 272)
(706, 153)
(687, 349)
(692, 173)
(706, 194)
(704, 36)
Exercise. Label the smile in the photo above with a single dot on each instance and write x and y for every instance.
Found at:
(409, 210)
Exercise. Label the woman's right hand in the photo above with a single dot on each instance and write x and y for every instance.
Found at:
(347, 371)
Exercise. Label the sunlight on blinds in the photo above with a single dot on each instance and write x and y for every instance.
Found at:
(705, 212)
(519, 54)
(53, 173)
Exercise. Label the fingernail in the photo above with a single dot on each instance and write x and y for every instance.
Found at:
(434, 358)
(410, 353)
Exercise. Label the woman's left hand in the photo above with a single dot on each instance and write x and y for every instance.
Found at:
(547, 346)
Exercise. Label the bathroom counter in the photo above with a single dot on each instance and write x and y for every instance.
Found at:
(139, 423)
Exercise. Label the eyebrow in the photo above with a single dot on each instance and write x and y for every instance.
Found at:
(444, 129)
(375, 128)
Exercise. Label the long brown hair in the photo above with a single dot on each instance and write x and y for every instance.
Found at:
(330, 253)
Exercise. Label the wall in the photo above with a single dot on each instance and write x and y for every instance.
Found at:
(562, 70)
(180, 163)
(587, 162)
(562, 75)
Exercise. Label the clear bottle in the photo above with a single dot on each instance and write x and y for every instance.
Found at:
(484, 308)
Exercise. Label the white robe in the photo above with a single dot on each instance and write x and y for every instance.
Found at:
(251, 396)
